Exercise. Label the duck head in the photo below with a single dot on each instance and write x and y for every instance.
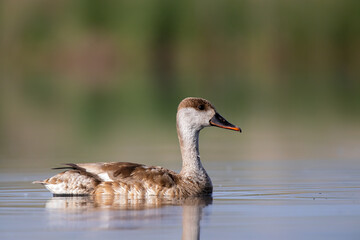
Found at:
(197, 113)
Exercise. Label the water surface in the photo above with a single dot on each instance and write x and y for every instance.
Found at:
(309, 199)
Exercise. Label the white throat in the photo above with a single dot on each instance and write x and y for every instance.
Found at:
(188, 133)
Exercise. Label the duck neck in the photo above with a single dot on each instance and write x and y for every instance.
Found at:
(189, 145)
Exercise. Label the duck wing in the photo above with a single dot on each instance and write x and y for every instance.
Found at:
(128, 172)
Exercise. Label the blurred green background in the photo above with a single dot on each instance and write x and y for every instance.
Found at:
(101, 80)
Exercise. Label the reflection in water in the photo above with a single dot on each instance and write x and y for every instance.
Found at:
(116, 212)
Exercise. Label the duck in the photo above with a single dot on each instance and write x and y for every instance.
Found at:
(135, 180)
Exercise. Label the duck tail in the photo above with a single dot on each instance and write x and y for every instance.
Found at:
(38, 182)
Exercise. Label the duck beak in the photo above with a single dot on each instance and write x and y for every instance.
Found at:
(218, 121)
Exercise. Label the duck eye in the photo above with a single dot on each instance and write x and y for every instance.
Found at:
(201, 107)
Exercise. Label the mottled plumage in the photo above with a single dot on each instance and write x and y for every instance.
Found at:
(137, 180)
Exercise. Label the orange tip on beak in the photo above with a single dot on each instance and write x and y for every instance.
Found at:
(218, 121)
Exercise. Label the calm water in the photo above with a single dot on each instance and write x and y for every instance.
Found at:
(252, 200)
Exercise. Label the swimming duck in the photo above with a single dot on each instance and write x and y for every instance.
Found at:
(138, 180)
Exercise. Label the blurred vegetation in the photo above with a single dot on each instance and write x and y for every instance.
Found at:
(77, 72)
